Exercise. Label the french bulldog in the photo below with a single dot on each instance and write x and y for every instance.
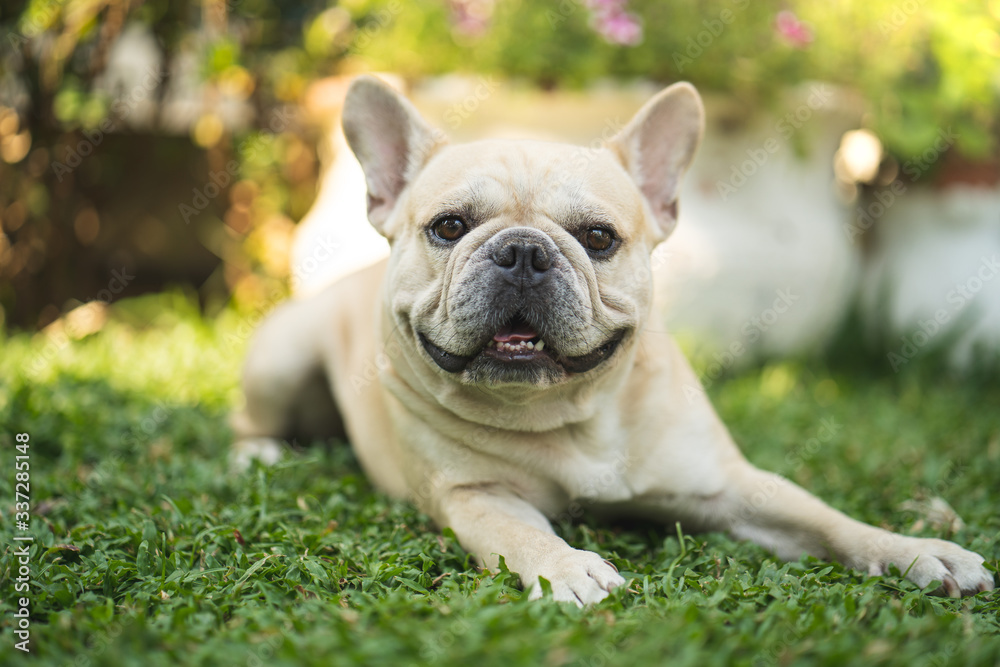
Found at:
(499, 368)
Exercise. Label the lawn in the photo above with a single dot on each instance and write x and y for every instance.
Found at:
(148, 552)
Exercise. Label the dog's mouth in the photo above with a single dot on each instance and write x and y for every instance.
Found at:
(516, 340)
(518, 343)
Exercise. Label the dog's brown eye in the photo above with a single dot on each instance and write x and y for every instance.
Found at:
(598, 239)
(449, 228)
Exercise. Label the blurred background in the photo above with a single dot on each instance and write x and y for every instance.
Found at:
(848, 188)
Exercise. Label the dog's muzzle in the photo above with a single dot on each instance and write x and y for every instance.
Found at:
(524, 311)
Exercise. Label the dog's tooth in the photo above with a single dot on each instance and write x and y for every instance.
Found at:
(531, 346)
(540, 345)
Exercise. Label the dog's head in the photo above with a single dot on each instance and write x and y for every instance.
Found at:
(519, 262)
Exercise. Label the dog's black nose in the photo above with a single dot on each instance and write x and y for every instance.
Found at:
(522, 262)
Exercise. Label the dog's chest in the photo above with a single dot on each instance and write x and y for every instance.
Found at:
(597, 478)
(582, 470)
(568, 484)
(590, 463)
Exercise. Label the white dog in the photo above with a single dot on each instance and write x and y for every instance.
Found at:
(497, 367)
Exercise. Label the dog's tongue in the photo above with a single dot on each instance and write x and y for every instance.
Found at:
(515, 332)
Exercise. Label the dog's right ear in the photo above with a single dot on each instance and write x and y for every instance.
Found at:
(657, 147)
(391, 141)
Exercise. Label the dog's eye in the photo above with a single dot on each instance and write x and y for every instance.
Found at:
(449, 228)
(598, 239)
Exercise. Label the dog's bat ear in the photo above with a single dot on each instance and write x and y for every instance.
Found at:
(657, 147)
(391, 141)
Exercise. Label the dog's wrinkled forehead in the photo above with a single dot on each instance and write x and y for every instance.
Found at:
(396, 147)
(522, 182)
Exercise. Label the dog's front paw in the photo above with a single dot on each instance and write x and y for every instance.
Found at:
(580, 577)
(960, 572)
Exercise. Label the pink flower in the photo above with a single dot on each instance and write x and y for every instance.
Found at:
(622, 28)
(792, 30)
(613, 23)
(471, 18)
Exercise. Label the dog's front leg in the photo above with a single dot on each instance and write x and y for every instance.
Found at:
(775, 513)
(490, 521)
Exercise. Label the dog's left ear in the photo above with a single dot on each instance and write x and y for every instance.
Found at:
(657, 147)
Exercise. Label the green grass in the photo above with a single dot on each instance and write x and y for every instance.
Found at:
(146, 552)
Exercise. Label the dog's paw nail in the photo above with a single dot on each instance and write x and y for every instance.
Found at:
(580, 577)
(951, 587)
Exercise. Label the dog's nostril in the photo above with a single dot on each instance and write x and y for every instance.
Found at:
(540, 259)
(523, 258)
(505, 256)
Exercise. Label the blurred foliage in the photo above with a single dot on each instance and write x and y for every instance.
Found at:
(921, 65)
(209, 91)
(156, 127)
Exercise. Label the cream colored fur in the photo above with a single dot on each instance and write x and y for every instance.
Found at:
(496, 461)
